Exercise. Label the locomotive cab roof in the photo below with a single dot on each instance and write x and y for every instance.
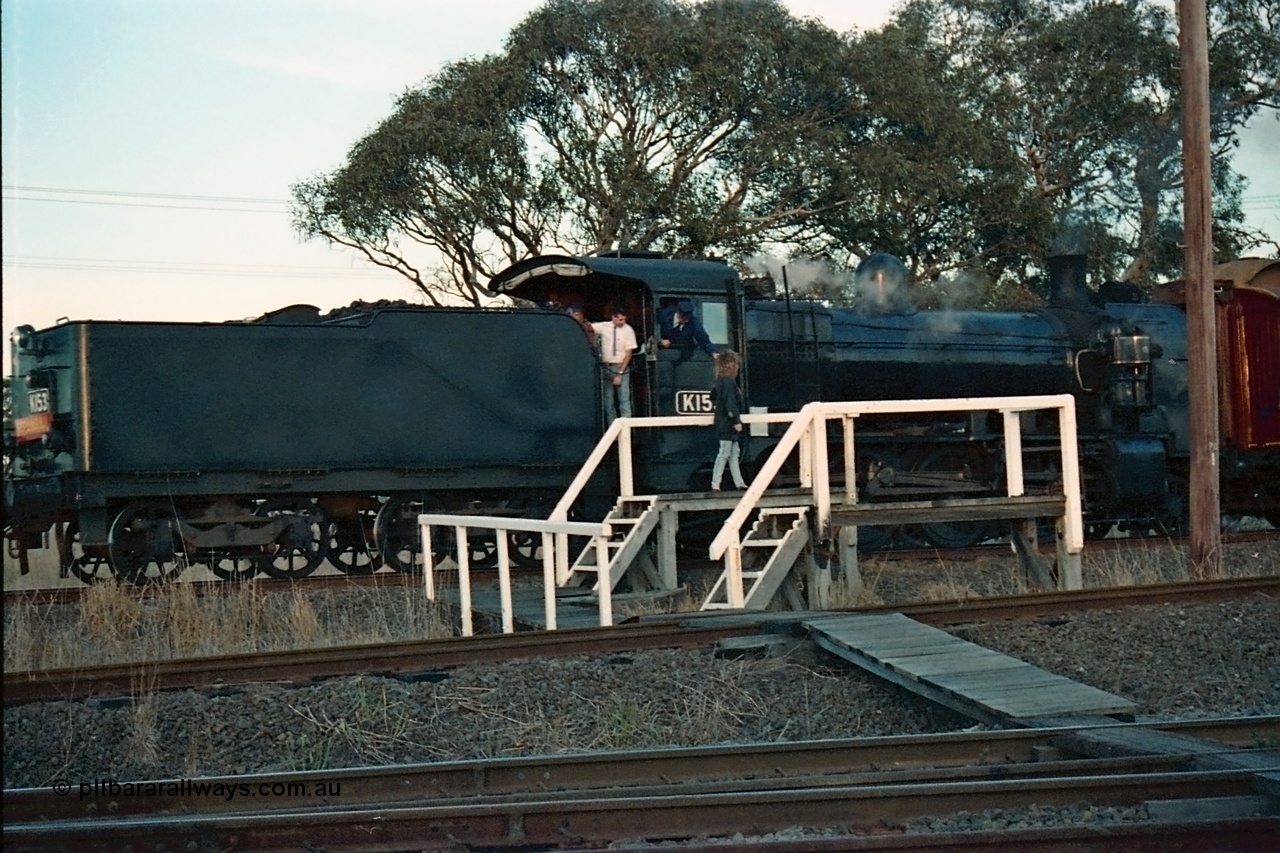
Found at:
(537, 278)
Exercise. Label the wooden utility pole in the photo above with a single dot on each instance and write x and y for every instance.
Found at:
(1202, 345)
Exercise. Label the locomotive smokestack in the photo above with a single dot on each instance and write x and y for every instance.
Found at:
(1067, 284)
(881, 282)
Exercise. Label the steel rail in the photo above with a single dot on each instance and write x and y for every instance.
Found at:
(397, 658)
(891, 556)
(1033, 605)
(884, 760)
(387, 579)
(1242, 835)
(687, 630)
(315, 583)
(606, 815)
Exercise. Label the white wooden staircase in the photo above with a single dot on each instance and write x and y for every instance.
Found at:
(632, 520)
(769, 550)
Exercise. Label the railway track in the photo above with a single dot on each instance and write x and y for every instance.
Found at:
(413, 659)
(976, 552)
(691, 793)
(387, 579)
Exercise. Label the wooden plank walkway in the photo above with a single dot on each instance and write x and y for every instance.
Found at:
(978, 682)
(576, 607)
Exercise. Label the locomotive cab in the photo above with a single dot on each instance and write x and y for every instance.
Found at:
(665, 381)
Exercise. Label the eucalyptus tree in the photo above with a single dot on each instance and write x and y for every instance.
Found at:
(441, 189)
(603, 125)
(1067, 112)
(924, 174)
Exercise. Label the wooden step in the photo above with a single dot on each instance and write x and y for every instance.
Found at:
(761, 543)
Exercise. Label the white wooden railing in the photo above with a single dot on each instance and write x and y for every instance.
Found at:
(620, 433)
(808, 431)
(598, 531)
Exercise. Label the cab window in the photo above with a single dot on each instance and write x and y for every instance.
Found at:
(715, 319)
(714, 316)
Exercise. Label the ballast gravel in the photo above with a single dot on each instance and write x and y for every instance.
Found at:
(1175, 662)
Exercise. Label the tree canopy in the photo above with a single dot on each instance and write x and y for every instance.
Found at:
(965, 134)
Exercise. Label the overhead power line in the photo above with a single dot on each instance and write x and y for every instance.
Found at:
(21, 192)
(133, 204)
(185, 268)
(182, 196)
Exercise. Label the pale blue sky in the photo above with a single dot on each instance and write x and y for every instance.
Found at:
(156, 112)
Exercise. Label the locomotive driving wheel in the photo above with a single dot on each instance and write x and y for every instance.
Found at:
(882, 469)
(302, 545)
(952, 468)
(90, 565)
(145, 543)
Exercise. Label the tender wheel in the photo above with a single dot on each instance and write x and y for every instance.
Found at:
(352, 547)
(952, 466)
(302, 545)
(231, 567)
(400, 539)
(91, 565)
(874, 538)
(525, 548)
(483, 548)
(145, 543)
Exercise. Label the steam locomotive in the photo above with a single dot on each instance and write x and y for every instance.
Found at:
(272, 445)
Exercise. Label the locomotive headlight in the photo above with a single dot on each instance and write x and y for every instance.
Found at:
(1130, 383)
(1130, 350)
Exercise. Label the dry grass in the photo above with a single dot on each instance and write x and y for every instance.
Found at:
(1142, 563)
(110, 613)
(144, 714)
(371, 725)
(120, 624)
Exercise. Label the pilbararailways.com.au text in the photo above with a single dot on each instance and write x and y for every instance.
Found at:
(200, 788)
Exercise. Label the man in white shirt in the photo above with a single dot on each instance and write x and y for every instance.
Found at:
(617, 342)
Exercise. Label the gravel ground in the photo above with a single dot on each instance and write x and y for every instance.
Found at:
(1174, 662)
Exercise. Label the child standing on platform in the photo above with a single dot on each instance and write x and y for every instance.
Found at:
(729, 404)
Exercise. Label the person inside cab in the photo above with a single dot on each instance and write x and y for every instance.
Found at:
(617, 342)
(678, 327)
